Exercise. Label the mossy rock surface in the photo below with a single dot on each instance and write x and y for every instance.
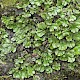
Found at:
(40, 40)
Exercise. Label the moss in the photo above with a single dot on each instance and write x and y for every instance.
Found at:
(6, 3)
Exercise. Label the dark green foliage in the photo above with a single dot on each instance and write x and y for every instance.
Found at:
(49, 28)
